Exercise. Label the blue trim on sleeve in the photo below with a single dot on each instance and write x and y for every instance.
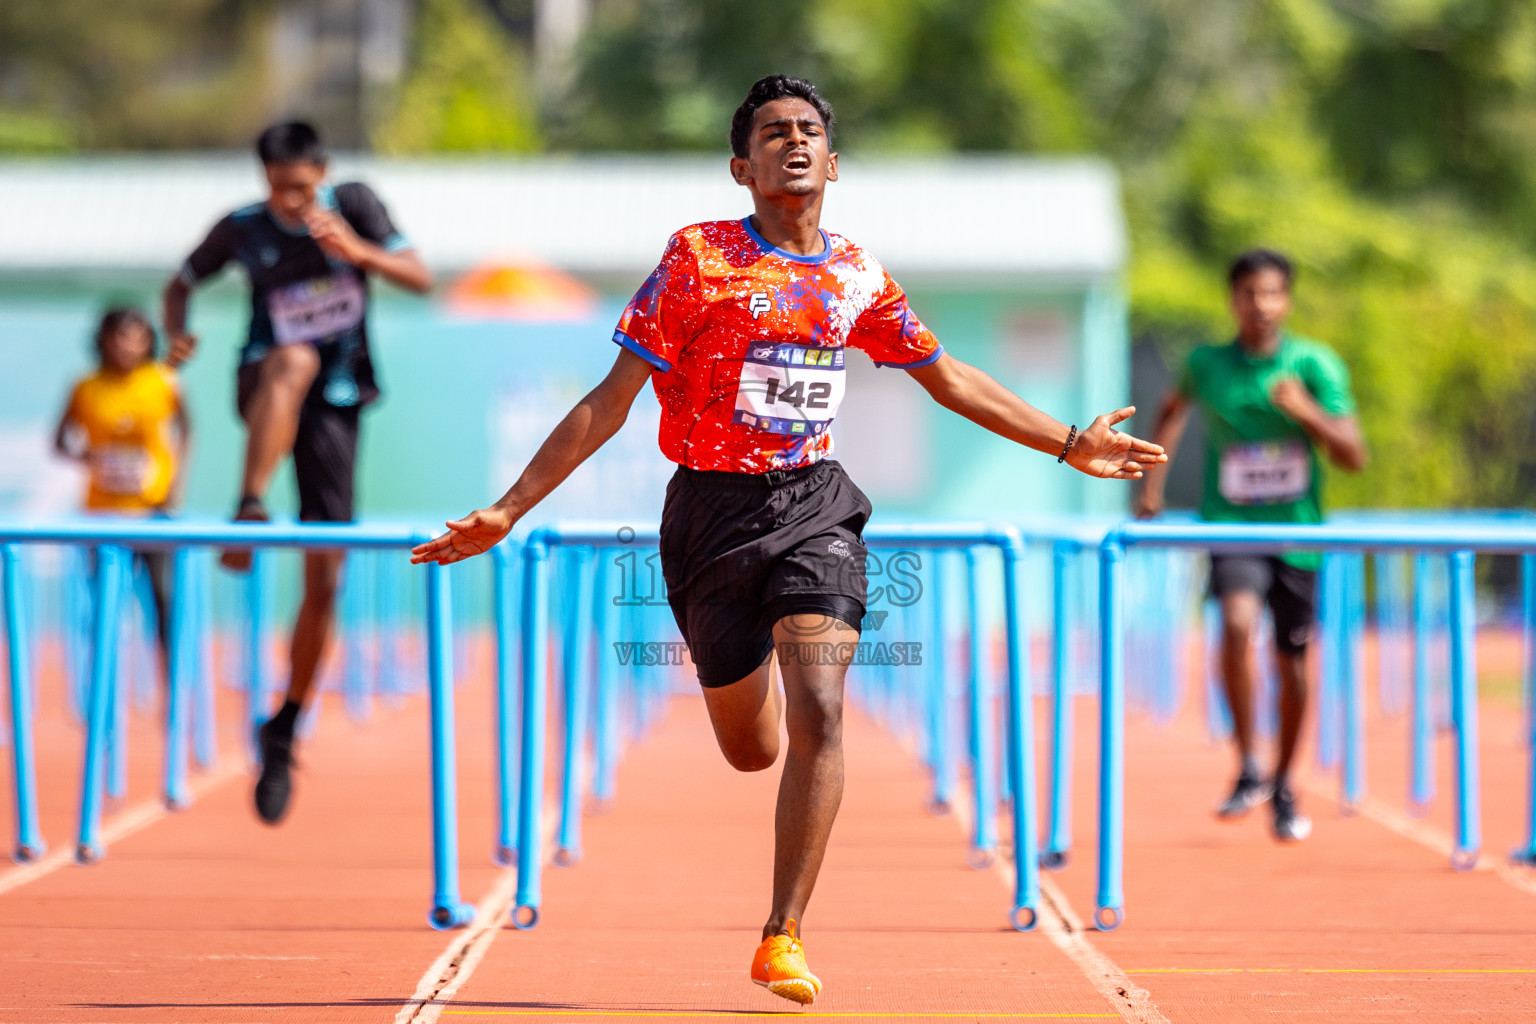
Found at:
(188, 275)
(625, 341)
(927, 360)
(762, 243)
(397, 243)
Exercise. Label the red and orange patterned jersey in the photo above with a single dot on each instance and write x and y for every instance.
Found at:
(748, 342)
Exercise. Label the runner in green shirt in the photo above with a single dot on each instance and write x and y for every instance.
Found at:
(1272, 403)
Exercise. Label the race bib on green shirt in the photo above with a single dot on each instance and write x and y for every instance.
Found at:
(316, 309)
(1265, 473)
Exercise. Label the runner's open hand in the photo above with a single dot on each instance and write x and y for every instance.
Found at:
(334, 235)
(475, 534)
(1105, 452)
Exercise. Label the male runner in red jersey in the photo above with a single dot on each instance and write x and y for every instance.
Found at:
(743, 330)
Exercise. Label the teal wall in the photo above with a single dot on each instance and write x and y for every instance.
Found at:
(467, 401)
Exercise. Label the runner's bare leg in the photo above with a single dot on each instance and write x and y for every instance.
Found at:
(811, 788)
(1240, 613)
(272, 417)
(317, 616)
(1293, 709)
(745, 715)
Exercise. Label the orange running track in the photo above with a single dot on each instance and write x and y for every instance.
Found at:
(208, 916)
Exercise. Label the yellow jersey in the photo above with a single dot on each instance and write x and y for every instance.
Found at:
(128, 420)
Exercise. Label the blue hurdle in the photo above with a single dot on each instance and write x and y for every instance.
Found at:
(536, 555)
(112, 540)
(1460, 539)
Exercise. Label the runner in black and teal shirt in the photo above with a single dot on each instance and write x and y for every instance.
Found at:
(1274, 406)
(308, 251)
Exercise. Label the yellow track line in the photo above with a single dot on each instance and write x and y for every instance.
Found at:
(1330, 970)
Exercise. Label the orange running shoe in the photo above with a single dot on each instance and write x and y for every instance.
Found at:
(780, 967)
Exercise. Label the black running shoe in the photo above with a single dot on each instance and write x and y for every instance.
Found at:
(1248, 792)
(251, 510)
(1290, 825)
(276, 783)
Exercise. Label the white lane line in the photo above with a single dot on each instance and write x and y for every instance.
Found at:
(114, 830)
(1064, 928)
(1419, 832)
(467, 948)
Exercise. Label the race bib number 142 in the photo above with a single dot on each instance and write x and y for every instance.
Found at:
(790, 389)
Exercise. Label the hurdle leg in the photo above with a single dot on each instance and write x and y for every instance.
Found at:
(530, 811)
(1110, 912)
(1527, 855)
(200, 650)
(1021, 746)
(1060, 840)
(578, 641)
(111, 561)
(506, 705)
(259, 654)
(1469, 838)
(117, 730)
(448, 910)
(177, 671)
(1421, 786)
(983, 743)
(940, 731)
(29, 840)
(1351, 681)
(605, 728)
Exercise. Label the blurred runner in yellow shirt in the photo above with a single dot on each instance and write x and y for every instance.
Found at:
(127, 423)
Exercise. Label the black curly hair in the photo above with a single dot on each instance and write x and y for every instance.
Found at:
(766, 90)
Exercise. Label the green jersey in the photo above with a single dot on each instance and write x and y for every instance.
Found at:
(1260, 466)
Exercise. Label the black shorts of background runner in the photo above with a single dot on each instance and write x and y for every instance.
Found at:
(739, 551)
(324, 451)
(1291, 594)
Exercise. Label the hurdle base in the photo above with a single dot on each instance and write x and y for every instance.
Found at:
(1107, 919)
(1053, 860)
(446, 916)
(26, 853)
(1525, 858)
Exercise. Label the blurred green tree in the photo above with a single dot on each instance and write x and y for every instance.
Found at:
(142, 74)
(1387, 146)
(467, 89)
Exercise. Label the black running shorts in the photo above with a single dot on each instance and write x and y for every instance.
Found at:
(324, 452)
(1291, 593)
(739, 551)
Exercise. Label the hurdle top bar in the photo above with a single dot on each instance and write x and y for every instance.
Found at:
(616, 534)
(1486, 535)
(170, 533)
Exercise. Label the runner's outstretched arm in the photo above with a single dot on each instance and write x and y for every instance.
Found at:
(585, 429)
(1100, 450)
(1172, 419)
